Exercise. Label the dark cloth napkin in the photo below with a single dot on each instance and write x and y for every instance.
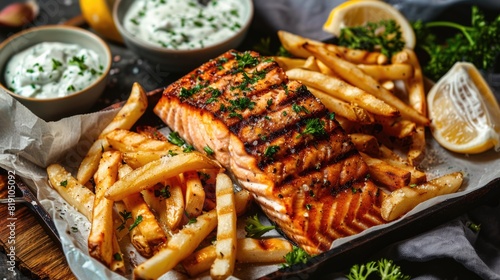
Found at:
(477, 252)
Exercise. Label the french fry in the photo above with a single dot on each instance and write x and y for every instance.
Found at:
(342, 90)
(396, 127)
(310, 64)
(417, 99)
(403, 200)
(365, 143)
(294, 44)
(100, 240)
(242, 201)
(359, 56)
(342, 108)
(71, 190)
(132, 110)
(395, 71)
(225, 246)
(156, 172)
(195, 194)
(248, 250)
(288, 62)
(323, 68)
(390, 176)
(128, 141)
(389, 156)
(174, 204)
(140, 158)
(180, 245)
(357, 77)
(151, 234)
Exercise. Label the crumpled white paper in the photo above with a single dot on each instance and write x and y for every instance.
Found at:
(28, 144)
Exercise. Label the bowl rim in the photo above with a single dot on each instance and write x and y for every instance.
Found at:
(55, 27)
(125, 33)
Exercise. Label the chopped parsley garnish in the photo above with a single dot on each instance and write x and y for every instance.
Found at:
(30, 70)
(241, 103)
(208, 150)
(214, 94)
(165, 192)
(314, 127)
(117, 257)
(137, 221)
(299, 108)
(246, 59)
(125, 216)
(296, 256)
(64, 183)
(186, 93)
(174, 138)
(71, 88)
(191, 220)
(254, 228)
(271, 151)
(78, 61)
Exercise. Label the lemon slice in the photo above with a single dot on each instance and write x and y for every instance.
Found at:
(97, 13)
(360, 12)
(464, 112)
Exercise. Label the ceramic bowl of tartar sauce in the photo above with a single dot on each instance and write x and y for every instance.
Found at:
(178, 35)
(55, 71)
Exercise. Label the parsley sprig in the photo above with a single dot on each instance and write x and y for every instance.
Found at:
(255, 228)
(478, 43)
(296, 256)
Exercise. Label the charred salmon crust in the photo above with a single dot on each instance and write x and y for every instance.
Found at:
(280, 142)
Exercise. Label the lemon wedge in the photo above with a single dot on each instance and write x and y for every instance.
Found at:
(97, 13)
(360, 12)
(464, 113)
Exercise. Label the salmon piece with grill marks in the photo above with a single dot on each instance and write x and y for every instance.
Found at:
(279, 142)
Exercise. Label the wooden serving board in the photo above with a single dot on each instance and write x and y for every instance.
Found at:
(37, 255)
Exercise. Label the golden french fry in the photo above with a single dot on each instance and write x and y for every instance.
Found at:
(403, 200)
(156, 172)
(174, 204)
(396, 127)
(76, 194)
(118, 262)
(294, 44)
(242, 201)
(417, 99)
(225, 246)
(128, 141)
(100, 240)
(365, 143)
(342, 90)
(357, 77)
(288, 62)
(140, 158)
(195, 194)
(342, 108)
(323, 68)
(389, 156)
(310, 64)
(132, 110)
(248, 250)
(180, 245)
(388, 175)
(399, 71)
(90, 162)
(359, 56)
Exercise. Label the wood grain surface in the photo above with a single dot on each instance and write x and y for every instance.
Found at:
(37, 256)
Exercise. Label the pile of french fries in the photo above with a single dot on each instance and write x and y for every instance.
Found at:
(381, 103)
(167, 200)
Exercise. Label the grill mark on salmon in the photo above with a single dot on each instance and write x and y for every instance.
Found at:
(281, 144)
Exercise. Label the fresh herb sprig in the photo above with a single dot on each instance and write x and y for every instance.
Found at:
(384, 36)
(384, 268)
(254, 228)
(296, 256)
(478, 43)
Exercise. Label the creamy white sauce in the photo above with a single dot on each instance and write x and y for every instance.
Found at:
(184, 24)
(52, 69)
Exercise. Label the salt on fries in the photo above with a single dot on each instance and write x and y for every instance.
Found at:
(152, 191)
(378, 122)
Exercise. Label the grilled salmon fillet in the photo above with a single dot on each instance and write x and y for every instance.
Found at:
(279, 142)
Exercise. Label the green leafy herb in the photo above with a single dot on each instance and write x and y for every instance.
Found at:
(191, 220)
(384, 36)
(174, 138)
(245, 60)
(165, 192)
(299, 108)
(125, 216)
(78, 61)
(474, 227)
(214, 94)
(314, 127)
(186, 93)
(296, 256)
(271, 151)
(385, 269)
(117, 257)
(64, 183)
(478, 43)
(255, 228)
(71, 88)
(208, 150)
(137, 221)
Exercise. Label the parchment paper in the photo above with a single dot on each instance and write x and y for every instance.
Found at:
(29, 144)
